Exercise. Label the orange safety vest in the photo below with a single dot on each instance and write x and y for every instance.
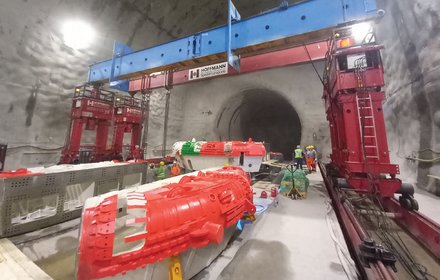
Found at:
(175, 170)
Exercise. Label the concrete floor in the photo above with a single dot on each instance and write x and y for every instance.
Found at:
(290, 241)
(429, 204)
(14, 265)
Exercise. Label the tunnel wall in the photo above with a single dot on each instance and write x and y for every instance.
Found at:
(410, 32)
(262, 115)
(299, 85)
(38, 71)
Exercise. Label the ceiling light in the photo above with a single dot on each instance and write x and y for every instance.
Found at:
(361, 31)
(77, 34)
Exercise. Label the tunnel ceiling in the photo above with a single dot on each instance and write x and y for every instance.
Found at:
(180, 18)
(262, 115)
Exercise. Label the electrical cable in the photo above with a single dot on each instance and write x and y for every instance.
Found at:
(427, 149)
(348, 266)
(35, 147)
(417, 79)
(260, 208)
(392, 240)
(313, 65)
(424, 159)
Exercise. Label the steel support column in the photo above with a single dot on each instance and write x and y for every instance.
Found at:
(165, 123)
(3, 149)
(146, 95)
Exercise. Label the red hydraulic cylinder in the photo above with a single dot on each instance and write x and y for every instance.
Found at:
(190, 214)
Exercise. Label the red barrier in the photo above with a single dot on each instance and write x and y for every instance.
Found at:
(188, 214)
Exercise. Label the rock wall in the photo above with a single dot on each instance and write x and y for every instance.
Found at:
(410, 32)
(38, 71)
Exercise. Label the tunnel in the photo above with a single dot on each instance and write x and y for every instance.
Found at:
(262, 115)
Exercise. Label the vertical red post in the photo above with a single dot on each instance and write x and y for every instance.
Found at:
(75, 135)
(101, 137)
(118, 138)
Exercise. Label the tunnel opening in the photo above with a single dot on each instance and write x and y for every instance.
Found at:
(262, 115)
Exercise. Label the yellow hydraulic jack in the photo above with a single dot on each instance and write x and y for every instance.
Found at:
(174, 269)
(249, 218)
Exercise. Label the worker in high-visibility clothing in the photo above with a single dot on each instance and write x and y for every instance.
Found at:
(160, 172)
(175, 169)
(299, 156)
(311, 158)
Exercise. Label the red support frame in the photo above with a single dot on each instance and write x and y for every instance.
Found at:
(128, 118)
(353, 79)
(92, 109)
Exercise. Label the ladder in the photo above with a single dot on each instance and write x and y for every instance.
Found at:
(367, 126)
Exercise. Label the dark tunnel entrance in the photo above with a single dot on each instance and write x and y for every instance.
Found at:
(262, 115)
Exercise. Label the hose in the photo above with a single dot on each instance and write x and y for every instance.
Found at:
(260, 208)
(424, 159)
(427, 149)
(35, 147)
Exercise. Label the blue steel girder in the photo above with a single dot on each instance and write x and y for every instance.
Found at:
(233, 15)
(297, 19)
(119, 50)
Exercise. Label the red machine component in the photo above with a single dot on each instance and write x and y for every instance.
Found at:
(96, 109)
(423, 228)
(18, 173)
(233, 148)
(188, 214)
(128, 118)
(273, 192)
(353, 101)
(92, 109)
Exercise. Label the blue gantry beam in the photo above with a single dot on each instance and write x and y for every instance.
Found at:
(306, 16)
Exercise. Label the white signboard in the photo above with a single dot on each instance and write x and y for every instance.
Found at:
(208, 71)
(356, 61)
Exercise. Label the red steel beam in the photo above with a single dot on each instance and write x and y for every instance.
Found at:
(296, 55)
(425, 230)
